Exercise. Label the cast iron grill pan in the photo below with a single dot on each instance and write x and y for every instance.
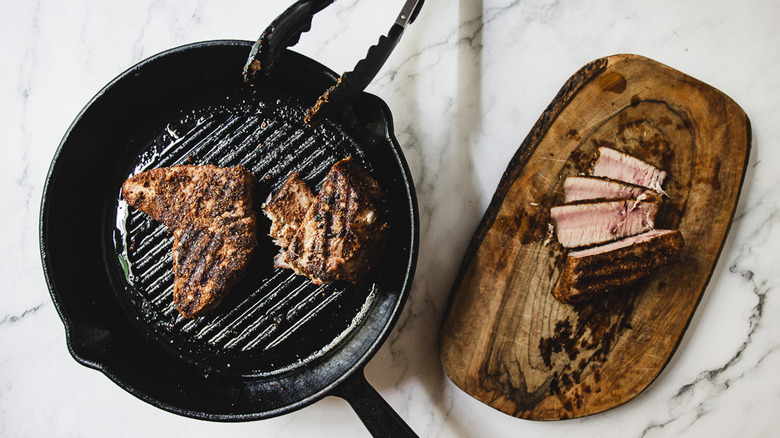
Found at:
(277, 342)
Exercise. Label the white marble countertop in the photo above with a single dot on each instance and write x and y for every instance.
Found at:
(466, 84)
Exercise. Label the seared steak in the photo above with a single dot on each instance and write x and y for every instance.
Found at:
(602, 269)
(587, 223)
(287, 209)
(622, 167)
(344, 231)
(210, 211)
(581, 188)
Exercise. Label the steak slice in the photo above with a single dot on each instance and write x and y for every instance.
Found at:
(587, 223)
(581, 188)
(210, 211)
(345, 231)
(622, 167)
(595, 271)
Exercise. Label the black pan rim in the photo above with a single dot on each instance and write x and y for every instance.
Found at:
(51, 282)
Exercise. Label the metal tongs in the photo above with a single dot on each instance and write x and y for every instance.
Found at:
(286, 31)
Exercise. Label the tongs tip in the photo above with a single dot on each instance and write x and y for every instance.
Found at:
(316, 113)
(286, 31)
(250, 72)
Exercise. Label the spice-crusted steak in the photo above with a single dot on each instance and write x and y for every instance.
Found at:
(287, 209)
(210, 211)
(601, 269)
(344, 231)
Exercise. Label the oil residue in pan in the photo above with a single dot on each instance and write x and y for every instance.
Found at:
(272, 320)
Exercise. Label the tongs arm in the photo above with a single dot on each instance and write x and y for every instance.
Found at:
(286, 30)
(283, 32)
(351, 84)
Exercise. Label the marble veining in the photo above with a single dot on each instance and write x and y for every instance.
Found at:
(10, 319)
(466, 84)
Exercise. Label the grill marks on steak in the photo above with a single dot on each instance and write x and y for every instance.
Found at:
(344, 231)
(594, 271)
(210, 212)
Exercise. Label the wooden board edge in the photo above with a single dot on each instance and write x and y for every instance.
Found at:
(581, 78)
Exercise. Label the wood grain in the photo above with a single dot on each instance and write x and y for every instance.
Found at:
(506, 341)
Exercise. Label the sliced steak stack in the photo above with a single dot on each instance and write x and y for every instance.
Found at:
(609, 219)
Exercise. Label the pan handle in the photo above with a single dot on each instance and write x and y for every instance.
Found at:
(379, 417)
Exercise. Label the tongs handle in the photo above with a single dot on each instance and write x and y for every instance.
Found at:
(283, 32)
(409, 12)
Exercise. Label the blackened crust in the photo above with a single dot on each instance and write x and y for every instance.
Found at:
(583, 278)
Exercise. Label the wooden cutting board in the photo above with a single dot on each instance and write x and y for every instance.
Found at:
(506, 341)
